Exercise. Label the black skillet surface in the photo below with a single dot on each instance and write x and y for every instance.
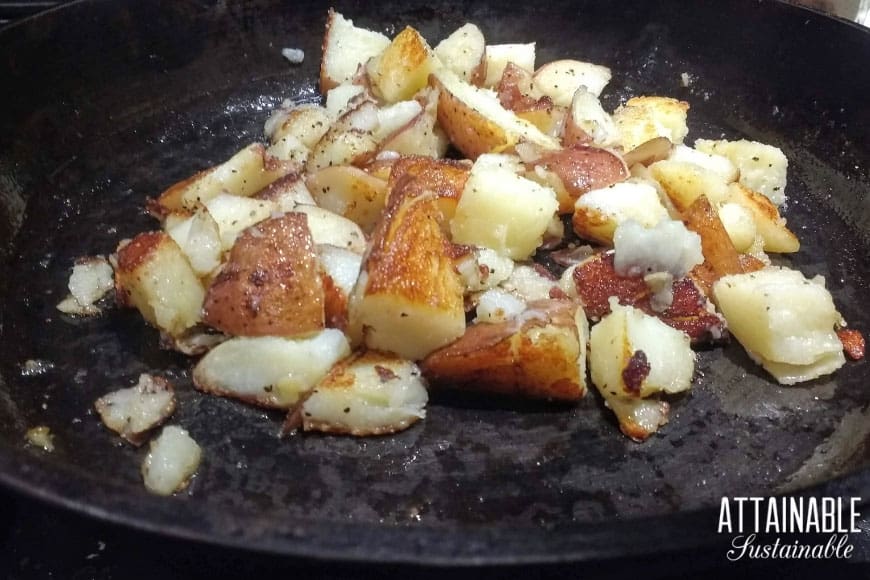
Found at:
(105, 103)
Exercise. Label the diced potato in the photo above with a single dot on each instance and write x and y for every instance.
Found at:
(268, 370)
(408, 299)
(497, 57)
(199, 238)
(271, 284)
(419, 175)
(396, 117)
(476, 122)
(763, 168)
(560, 79)
(244, 174)
(720, 255)
(577, 170)
(171, 461)
(421, 136)
(483, 269)
(784, 320)
(718, 164)
(134, 411)
(633, 355)
(341, 269)
(534, 355)
(289, 149)
(740, 225)
(497, 305)
(286, 193)
(402, 68)
(154, 276)
(598, 212)
(685, 182)
(306, 123)
(464, 53)
(587, 120)
(91, 279)
(768, 223)
(233, 214)
(330, 228)
(350, 140)
(367, 394)
(345, 48)
(645, 118)
(529, 283)
(350, 192)
(341, 99)
(503, 211)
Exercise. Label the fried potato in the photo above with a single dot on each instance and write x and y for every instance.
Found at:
(271, 285)
(330, 228)
(498, 56)
(443, 178)
(475, 121)
(350, 140)
(367, 394)
(768, 223)
(199, 238)
(588, 122)
(685, 182)
(537, 354)
(269, 371)
(349, 192)
(154, 276)
(645, 118)
(402, 68)
(408, 299)
(579, 169)
(233, 214)
(763, 168)
(134, 411)
(719, 252)
(597, 213)
(345, 48)
(560, 79)
(464, 53)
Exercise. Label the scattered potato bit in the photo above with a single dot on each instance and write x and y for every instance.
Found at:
(271, 284)
(499, 55)
(560, 79)
(91, 278)
(269, 371)
(464, 53)
(195, 341)
(408, 299)
(345, 48)
(537, 354)
(633, 355)
(599, 213)
(784, 321)
(763, 168)
(293, 55)
(154, 276)
(501, 210)
(42, 437)
(367, 394)
(483, 269)
(171, 461)
(645, 118)
(133, 412)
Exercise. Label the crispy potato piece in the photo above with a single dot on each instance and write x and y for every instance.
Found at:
(768, 223)
(719, 253)
(402, 68)
(133, 412)
(350, 140)
(587, 122)
(464, 53)
(271, 284)
(685, 182)
(349, 192)
(581, 169)
(154, 276)
(305, 123)
(244, 174)
(597, 213)
(645, 118)
(345, 48)
(408, 299)
(535, 355)
(367, 394)
(330, 228)
(475, 121)
(560, 79)
(443, 178)
(595, 280)
(286, 193)
(763, 168)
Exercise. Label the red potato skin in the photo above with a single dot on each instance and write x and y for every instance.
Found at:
(596, 281)
(853, 342)
(271, 285)
(582, 169)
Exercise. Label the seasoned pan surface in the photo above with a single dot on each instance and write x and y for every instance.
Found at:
(105, 103)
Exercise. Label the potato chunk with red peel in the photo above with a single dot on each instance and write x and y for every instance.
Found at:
(784, 321)
(367, 394)
(499, 56)
(580, 170)
(475, 121)
(345, 48)
(408, 299)
(595, 280)
(402, 68)
(443, 178)
(632, 356)
(244, 174)
(560, 79)
(464, 53)
(154, 276)
(537, 354)
(350, 192)
(271, 285)
(269, 371)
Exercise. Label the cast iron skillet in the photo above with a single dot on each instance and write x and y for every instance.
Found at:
(105, 103)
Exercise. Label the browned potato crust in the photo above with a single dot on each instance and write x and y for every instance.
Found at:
(271, 285)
